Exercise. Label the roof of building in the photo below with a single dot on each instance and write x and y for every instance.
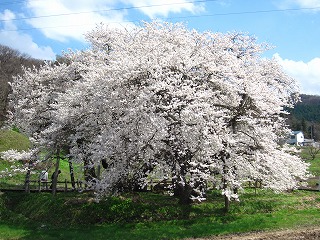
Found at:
(296, 132)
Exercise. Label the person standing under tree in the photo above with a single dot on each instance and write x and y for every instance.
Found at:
(44, 179)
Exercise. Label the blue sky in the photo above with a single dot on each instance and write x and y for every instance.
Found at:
(44, 28)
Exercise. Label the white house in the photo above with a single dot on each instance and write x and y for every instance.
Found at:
(296, 138)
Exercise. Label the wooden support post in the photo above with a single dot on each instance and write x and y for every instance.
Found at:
(27, 179)
(255, 186)
(27, 186)
(55, 176)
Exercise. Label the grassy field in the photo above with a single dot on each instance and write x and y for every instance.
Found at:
(314, 166)
(148, 215)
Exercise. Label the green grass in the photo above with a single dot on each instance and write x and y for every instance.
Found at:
(315, 166)
(150, 216)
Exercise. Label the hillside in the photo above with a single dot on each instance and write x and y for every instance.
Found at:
(308, 108)
(305, 116)
(10, 65)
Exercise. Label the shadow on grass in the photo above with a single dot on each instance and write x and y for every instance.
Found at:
(148, 216)
(174, 229)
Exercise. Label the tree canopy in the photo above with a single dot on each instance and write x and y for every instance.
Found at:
(162, 101)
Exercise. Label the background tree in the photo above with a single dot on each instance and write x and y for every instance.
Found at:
(313, 151)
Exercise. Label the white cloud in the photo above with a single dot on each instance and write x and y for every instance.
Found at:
(70, 19)
(307, 3)
(20, 41)
(299, 3)
(6, 17)
(306, 73)
(162, 8)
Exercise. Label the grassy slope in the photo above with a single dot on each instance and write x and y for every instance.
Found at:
(13, 140)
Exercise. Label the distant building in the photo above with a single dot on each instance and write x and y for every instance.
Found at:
(296, 138)
(309, 142)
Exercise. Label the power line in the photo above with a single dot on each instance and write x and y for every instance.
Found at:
(105, 10)
(171, 18)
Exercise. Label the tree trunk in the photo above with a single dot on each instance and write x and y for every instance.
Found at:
(183, 193)
(224, 181)
(73, 183)
(56, 173)
(226, 204)
(89, 174)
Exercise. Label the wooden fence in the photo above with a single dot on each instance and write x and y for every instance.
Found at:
(153, 185)
(64, 186)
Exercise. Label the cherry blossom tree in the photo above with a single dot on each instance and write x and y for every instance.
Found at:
(197, 107)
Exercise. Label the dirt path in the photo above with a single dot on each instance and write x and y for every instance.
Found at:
(297, 234)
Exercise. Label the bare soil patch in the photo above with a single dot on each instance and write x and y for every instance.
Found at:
(296, 234)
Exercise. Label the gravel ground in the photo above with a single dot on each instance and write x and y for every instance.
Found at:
(297, 234)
